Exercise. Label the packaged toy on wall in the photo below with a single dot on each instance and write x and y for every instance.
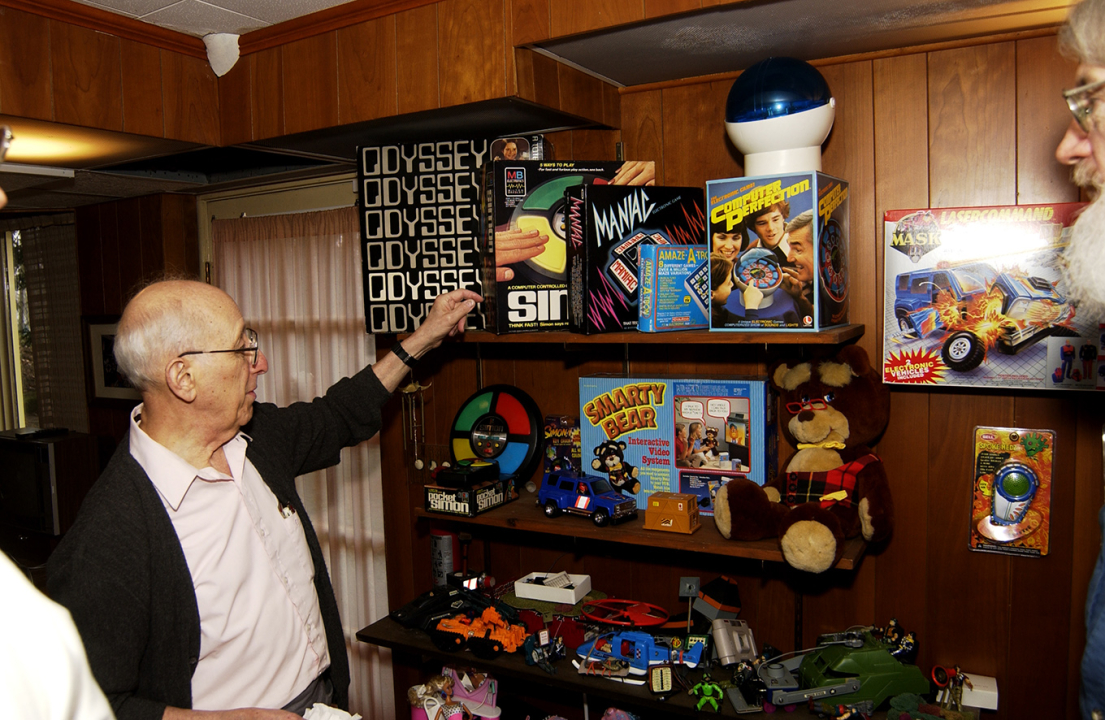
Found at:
(524, 240)
(724, 428)
(675, 288)
(778, 252)
(420, 227)
(608, 226)
(1011, 508)
(975, 297)
(626, 426)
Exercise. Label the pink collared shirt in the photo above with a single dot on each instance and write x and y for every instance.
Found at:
(262, 640)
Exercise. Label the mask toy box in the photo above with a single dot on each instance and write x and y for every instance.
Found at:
(724, 428)
(778, 252)
(420, 229)
(608, 228)
(525, 283)
(562, 449)
(675, 288)
(974, 297)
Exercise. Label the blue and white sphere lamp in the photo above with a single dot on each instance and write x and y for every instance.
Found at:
(778, 113)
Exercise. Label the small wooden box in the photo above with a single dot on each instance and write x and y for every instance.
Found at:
(672, 512)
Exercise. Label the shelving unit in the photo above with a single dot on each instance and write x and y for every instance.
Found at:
(830, 336)
(524, 516)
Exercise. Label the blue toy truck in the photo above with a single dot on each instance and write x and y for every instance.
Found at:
(586, 495)
(1030, 310)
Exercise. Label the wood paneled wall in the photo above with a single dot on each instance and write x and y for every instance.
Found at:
(120, 246)
(963, 126)
(57, 71)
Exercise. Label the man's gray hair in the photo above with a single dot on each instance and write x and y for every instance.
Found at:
(1082, 37)
(151, 333)
(800, 221)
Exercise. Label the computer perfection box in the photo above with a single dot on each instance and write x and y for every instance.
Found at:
(786, 237)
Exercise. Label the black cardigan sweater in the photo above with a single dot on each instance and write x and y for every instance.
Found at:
(121, 572)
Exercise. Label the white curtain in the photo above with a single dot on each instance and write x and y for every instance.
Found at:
(297, 279)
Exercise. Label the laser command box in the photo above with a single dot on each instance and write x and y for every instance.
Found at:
(608, 227)
(786, 237)
(524, 240)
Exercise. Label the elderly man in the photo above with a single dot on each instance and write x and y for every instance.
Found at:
(192, 571)
(798, 273)
(1083, 148)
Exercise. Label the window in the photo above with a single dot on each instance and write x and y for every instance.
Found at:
(20, 396)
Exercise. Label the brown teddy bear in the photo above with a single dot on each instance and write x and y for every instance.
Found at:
(833, 487)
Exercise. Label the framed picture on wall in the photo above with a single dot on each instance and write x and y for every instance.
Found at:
(106, 385)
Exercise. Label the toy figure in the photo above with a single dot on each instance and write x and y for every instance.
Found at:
(951, 696)
(906, 649)
(610, 459)
(1066, 357)
(892, 633)
(708, 693)
(833, 487)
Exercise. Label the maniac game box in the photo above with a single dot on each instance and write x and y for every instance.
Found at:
(786, 238)
(975, 297)
(525, 282)
(420, 223)
(675, 288)
(608, 227)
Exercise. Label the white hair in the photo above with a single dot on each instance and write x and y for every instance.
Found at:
(1082, 37)
(153, 331)
(1084, 261)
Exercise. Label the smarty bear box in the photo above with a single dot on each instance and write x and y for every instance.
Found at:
(625, 426)
(772, 226)
(724, 428)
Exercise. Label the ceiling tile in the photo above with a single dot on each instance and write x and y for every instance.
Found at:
(130, 8)
(275, 12)
(199, 18)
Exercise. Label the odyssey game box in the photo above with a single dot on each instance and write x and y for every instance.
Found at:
(420, 227)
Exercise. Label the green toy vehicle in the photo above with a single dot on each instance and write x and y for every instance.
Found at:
(852, 668)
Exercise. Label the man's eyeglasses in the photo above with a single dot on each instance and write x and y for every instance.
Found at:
(6, 138)
(1080, 100)
(251, 348)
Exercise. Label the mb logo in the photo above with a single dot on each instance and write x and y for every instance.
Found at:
(514, 182)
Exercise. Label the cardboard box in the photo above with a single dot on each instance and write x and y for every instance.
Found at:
(672, 512)
(634, 418)
(974, 297)
(562, 449)
(608, 227)
(420, 226)
(471, 501)
(751, 221)
(730, 432)
(675, 288)
(523, 196)
(556, 592)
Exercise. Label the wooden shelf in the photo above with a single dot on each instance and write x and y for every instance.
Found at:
(525, 515)
(831, 336)
(390, 634)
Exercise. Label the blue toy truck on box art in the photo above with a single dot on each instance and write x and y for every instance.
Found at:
(586, 495)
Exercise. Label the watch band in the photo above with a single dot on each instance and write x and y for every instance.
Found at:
(399, 352)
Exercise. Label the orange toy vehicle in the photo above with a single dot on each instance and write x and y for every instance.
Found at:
(486, 636)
